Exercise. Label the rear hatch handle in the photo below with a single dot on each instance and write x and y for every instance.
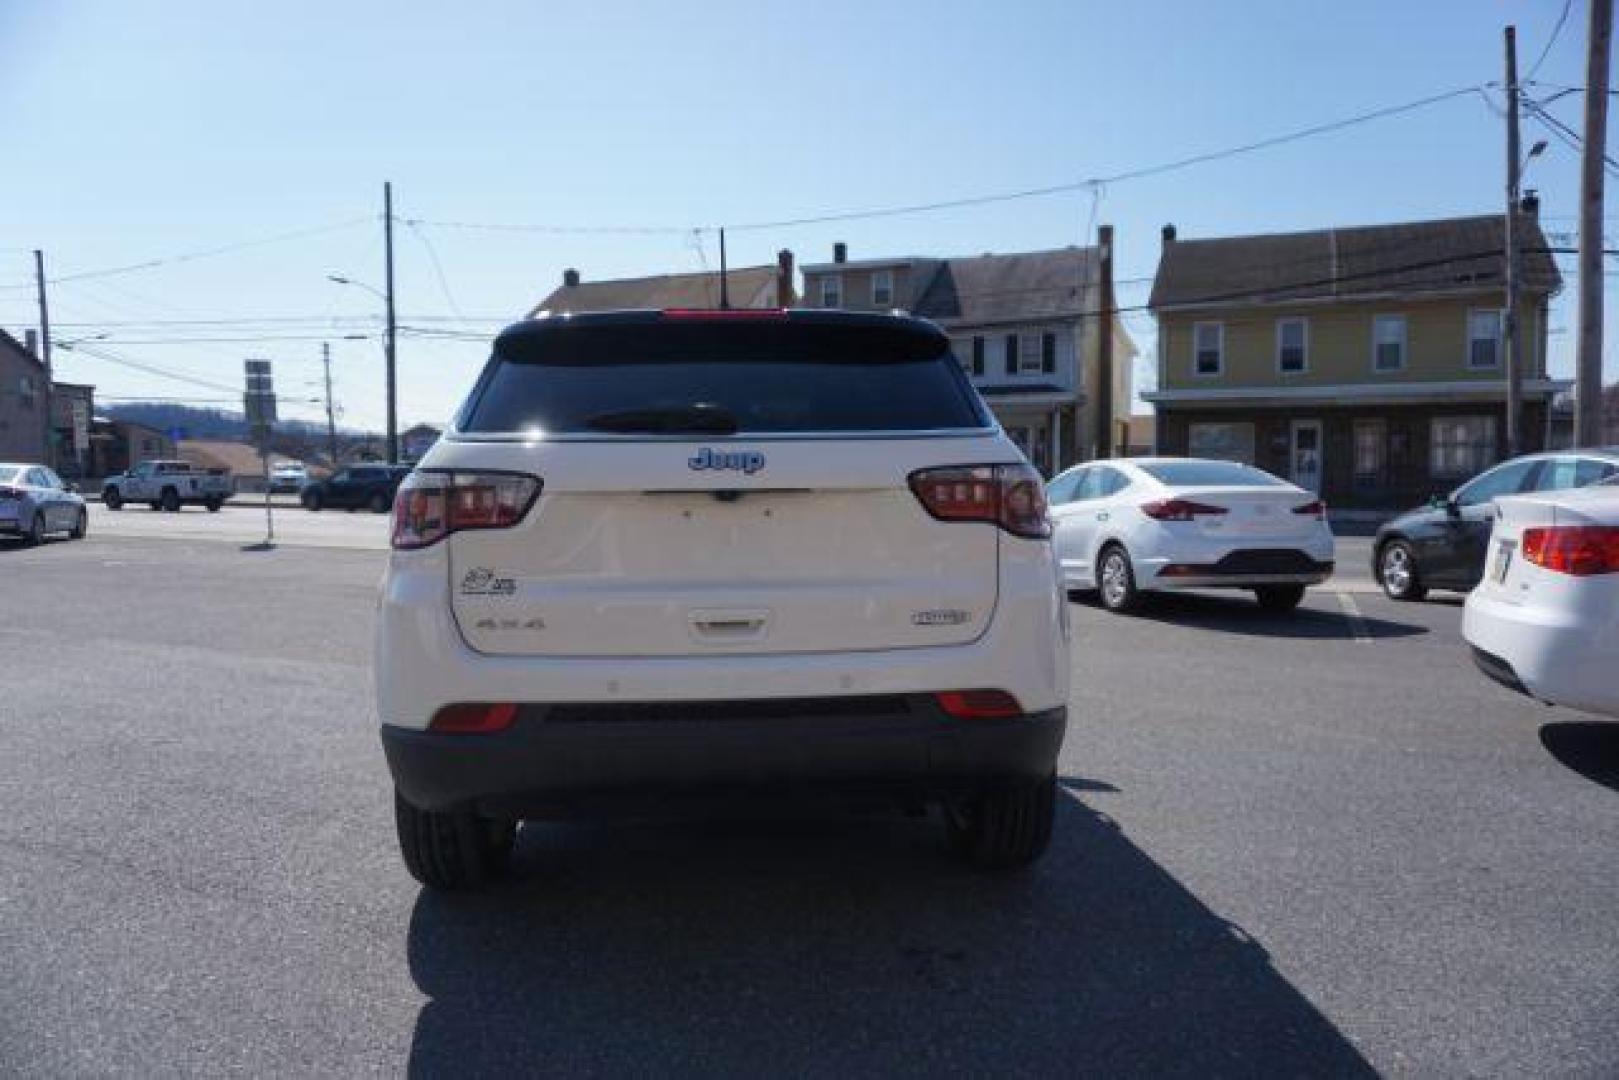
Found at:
(721, 625)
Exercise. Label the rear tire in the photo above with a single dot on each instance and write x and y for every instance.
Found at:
(35, 535)
(170, 500)
(213, 505)
(155, 505)
(1116, 580)
(452, 851)
(1397, 571)
(311, 500)
(111, 499)
(1006, 827)
(1279, 597)
(81, 526)
(380, 503)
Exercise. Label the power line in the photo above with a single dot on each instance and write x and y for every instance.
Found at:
(438, 268)
(110, 357)
(563, 230)
(1570, 137)
(1558, 29)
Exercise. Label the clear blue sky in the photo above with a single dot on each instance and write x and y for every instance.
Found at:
(137, 131)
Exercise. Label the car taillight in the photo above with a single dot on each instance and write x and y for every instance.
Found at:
(10, 493)
(1574, 549)
(1011, 496)
(431, 505)
(1317, 509)
(473, 719)
(1180, 510)
(979, 704)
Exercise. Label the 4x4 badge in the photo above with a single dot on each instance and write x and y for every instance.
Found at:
(743, 461)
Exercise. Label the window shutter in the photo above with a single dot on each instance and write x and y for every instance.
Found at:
(1048, 353)
(978, 355)
(1011, 354)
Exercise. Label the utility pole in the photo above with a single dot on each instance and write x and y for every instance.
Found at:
(1588, 362)
(725, 294)
(1104, 347)
(1514, 357)
(46, 395)
(388, 243)
(331, 418)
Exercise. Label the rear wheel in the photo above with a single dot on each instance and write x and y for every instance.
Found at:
(213, 505)
(81, 525)
(1116, 580)
(1279, 597)
(36, 531)
(452, 851)
(1397, 572)
(170, 500)
(380, 504)
(311, 500)
(111, 498)
(1005, 827)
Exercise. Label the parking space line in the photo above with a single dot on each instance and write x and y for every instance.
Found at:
(1357, 624)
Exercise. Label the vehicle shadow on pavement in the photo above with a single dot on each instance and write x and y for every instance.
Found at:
(1241, 615)
(1589, 747)
(847, 947)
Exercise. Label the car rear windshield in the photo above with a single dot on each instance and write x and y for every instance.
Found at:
(9, 475)
(715, 378)
(1208, 474)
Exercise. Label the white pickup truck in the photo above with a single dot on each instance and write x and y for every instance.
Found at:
(168, 485)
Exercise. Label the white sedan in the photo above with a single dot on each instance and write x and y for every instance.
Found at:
(1133, 525)
(1545, 619)
(34, 501)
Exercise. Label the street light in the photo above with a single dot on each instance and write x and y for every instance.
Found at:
(388, 352)
(1534, 152)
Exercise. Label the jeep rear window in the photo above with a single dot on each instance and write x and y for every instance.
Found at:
(769, 377)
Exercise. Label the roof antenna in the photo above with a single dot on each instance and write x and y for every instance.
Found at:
(725, 295)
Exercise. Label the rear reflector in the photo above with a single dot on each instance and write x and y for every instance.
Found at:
(1180, 510)
(1010, 496)
(1317, 509)
(1580, 550)
(431, 505)
(979, 704)
(726, 314)
(473, 719)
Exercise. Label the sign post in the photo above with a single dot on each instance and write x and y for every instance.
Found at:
(258, 403)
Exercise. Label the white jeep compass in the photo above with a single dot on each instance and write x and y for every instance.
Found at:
(664, 555)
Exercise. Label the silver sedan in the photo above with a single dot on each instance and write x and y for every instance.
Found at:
(34, 502)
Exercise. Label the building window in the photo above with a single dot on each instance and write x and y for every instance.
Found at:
(1388, 342)
(978, 355)
(1208, 348)
(832, 291)
(25, 390)
(1461, 445)
(1223, 442)
(1029, 354)
(1009, 347)
(1048, 353)
(1483, 339)
(882, 289)
(1292, 345)
(1371, 452)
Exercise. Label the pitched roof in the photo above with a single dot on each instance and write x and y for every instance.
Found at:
(748, 286)
(1419, 256)
(1007, 288)
(21, 350)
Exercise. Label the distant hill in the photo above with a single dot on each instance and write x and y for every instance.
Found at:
(215, 424)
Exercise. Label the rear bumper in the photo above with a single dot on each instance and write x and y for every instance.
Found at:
(1550, 654)
(1241, 569)
(558, 761)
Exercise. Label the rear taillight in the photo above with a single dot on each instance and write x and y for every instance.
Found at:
(431, 505)
(1180, 510)
(473, 719)
(1011, 496)
(10, 493)
(1574, 549)
(1317, 509)
(979, 704)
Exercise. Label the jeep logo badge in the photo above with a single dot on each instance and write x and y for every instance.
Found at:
(743, 461)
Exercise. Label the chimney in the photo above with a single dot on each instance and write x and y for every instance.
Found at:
(570, 277)
(784, 278)
(30, 339)
(840, 252)
(1169, 234)
(1530, 205)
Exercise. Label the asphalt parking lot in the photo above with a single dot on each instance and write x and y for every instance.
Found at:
(1317, 844)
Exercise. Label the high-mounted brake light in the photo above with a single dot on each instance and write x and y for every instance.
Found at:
(1580, 550)
(431, 505)
(1317, 509)
(979, 704)
(473, 719)
(1180, 510)
(1010, 496)
(726, 314)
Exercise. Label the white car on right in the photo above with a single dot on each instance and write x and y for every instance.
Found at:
(1129, 526)
(1545, 619)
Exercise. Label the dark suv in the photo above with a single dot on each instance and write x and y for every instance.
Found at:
(371, 486)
